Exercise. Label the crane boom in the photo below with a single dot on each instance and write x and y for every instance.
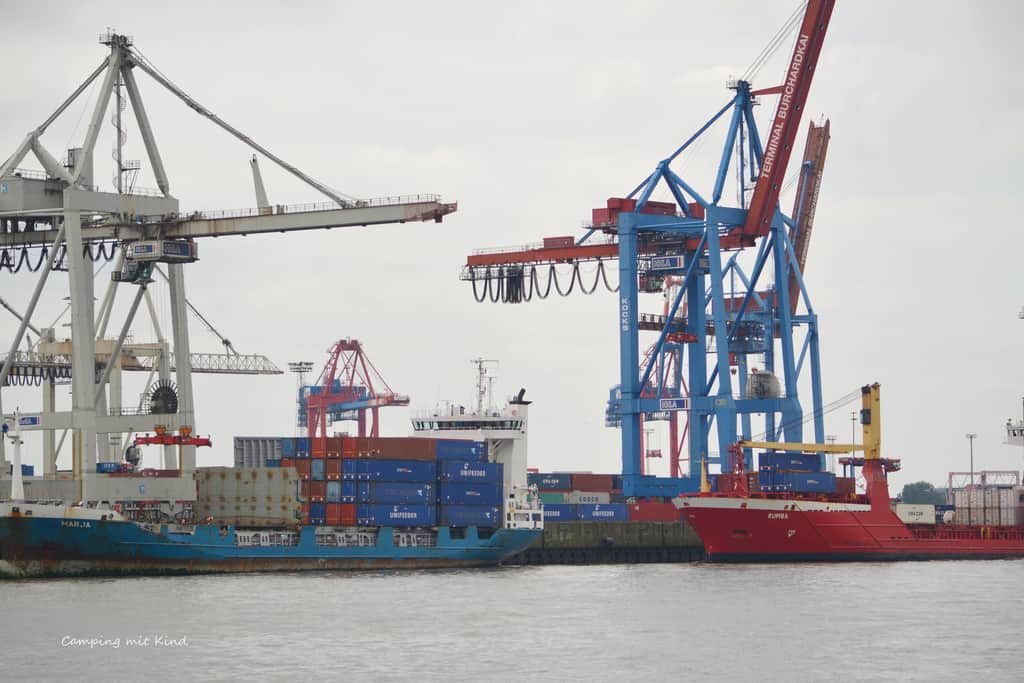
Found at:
(806, 202)
(782, 135)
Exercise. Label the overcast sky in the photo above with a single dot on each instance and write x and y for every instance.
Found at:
(529, 114)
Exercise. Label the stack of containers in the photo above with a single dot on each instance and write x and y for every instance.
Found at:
(793, 473)
(582, 497)
(469, 491)
(400, 482)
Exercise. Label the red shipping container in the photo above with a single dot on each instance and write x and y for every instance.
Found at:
(287, 462)
(304, 490)
(653, 512)
(846, 486)
(333, 469)
(560, 242)
(305, 513)
(593, 482)
(659, 208)
(317, 491)
(396, 448)
(621, 204)
(696, 210)
(348, 446)
(302, 466)
(341, 514)
(603, 216)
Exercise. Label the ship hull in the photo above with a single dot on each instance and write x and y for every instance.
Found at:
(738, 529)
(38, 547)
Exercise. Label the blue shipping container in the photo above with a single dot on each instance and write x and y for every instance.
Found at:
(550, 481)
(396, 492)
(302, 447)
(606, 512)
(468, 471)
(317, 470)
(461, 449)
(348, 491)
(317, 510)
(554, 512)
(395, 470)
(470, 515)
(451, 493)
(397, 515)
(350, 470)
(334, 492)
(272, 463)
(101, 467)
(617, 482)
(807, 482)
(808, 462)
(288, 447)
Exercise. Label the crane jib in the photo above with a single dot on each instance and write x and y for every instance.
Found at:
(792, 96)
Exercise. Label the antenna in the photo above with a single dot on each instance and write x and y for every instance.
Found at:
(484, 384)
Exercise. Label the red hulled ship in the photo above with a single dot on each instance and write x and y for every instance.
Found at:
(743, 526)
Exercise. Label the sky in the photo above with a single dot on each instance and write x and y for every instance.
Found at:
(530, 114)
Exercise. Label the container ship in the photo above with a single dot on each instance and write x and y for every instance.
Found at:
(790, 514)
(333, 503)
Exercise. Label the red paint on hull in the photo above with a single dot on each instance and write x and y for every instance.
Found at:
(732, 533)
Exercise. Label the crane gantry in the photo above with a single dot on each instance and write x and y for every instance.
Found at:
(60, 212)
(718, 315)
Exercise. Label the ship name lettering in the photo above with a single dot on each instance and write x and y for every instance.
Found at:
(76, 524)
(778, 515)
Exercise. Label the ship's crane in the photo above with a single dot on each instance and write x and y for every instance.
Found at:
(721, 313)
(57, 218)
(348, 388)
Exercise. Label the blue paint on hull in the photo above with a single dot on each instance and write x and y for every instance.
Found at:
(36, 546)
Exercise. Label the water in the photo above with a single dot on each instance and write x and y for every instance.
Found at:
(931, 621)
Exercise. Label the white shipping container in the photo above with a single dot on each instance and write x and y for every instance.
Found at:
(587, 497)
(915, 514)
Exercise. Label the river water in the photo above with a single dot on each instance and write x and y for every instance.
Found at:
(930, 621)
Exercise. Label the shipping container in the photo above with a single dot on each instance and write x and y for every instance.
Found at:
(846, 486)
(652, 512)
(332, 468)
(588, 497)
(334, 492)
(602, 513)
(318, 472)
(915, 514)
(451, 493)
(468, 471)
(616, 482)
(560, 242)
(396, 492)
(809, 482)
(303, 468)
(659, 208)
(101, 467)
(341, 514)
(317, 491)
(461, 449)
(396, 470)
(550, 481)
(553, 497)
(254, 451)
(350, 469)
(806, 462)
(470, 515)
(396, 448)
(349, 489)
(288, 447)
(397, 515)
(592, 482)
(560, 513)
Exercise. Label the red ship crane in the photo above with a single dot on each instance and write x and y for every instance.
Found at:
(348, 387)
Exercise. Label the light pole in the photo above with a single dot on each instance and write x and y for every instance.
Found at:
(853, 426)
(831, 438)
(971, 438)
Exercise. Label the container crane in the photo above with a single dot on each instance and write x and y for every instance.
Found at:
(718, 306)
(348, 387)
(59, 214)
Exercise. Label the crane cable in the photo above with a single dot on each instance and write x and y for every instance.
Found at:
(513, 285)
(774, 44)
(808, 417)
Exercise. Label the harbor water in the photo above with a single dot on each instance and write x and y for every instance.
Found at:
(930, 621)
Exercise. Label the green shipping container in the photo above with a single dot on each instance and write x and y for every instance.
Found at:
(555, 497)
